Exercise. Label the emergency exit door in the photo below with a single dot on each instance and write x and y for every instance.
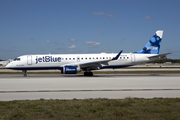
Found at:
(132, 57)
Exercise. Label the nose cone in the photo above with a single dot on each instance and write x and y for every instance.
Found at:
(8, 66)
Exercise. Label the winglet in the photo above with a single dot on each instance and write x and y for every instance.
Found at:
(117, 56)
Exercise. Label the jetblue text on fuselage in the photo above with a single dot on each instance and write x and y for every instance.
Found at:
(47, 59)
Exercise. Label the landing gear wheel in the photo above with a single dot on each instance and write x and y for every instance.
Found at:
(88, 74)
(85, 73)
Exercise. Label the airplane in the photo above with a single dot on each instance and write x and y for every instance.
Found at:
(74, 63)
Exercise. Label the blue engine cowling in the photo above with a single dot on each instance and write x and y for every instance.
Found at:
(70, 70)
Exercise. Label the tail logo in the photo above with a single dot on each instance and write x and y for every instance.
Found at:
(152, 48)
(153, 45)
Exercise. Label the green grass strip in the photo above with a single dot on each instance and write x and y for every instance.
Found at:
(92, 109)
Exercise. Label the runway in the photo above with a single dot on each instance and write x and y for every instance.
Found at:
(102, 70)
(16, 87)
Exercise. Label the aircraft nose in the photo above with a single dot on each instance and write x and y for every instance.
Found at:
(8, 66)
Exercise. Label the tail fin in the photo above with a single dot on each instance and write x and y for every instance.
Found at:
(153, 46)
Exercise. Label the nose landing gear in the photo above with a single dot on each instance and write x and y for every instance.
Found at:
(25, 73)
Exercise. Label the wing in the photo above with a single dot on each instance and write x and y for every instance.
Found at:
(96, 64)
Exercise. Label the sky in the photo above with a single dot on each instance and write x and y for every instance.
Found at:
(86, 26)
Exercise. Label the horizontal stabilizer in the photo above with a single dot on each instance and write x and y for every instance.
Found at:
(160, 55)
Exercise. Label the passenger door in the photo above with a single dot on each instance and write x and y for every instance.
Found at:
(29, 60)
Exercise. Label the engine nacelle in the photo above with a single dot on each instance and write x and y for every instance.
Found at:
(70, 70)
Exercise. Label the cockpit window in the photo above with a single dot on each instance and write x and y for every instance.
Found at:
(17, 59)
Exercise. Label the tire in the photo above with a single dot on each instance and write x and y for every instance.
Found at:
(88, 74)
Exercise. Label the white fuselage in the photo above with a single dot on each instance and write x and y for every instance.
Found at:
(56, 61)
(73, 63)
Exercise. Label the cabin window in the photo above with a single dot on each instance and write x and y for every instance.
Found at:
(127, 57)
(100, 57)
(120, 57)
(109, 57)
(69, 58)
(66, 58)
(124, 57)
(106, 57)
(97, 58)
(93, 57)
(81, 58)
(89, 58)
(73, 58)
(62, 58)
(86, 58)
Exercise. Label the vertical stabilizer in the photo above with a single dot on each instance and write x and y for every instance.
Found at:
(153, 45)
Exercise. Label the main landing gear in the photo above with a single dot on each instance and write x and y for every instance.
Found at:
(88, 74)
(25, 73)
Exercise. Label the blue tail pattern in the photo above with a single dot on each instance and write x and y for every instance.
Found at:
(153, 46)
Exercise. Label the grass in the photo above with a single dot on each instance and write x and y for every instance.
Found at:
(98, 109)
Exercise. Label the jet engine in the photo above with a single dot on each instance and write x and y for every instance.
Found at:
(70, 70)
